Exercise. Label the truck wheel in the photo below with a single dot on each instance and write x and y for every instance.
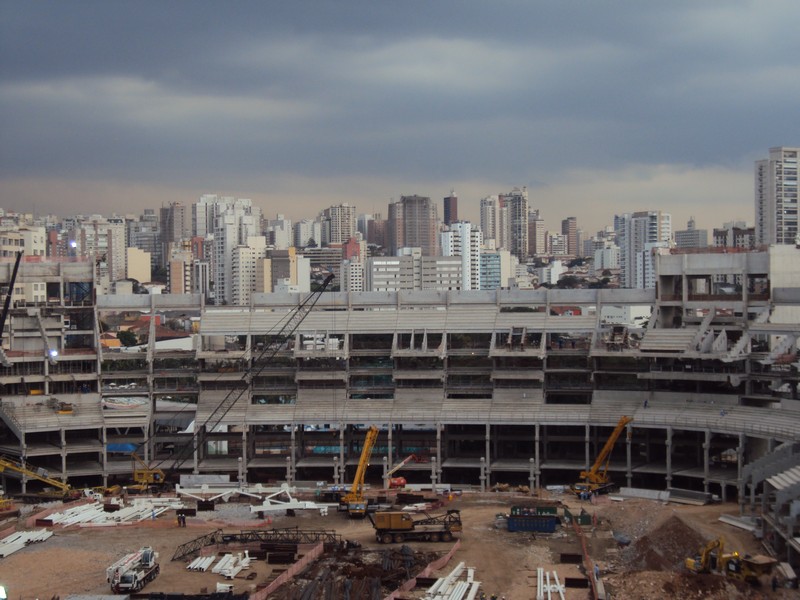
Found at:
(399, 538)
(447, 536)
(434, 537)
(386, 538)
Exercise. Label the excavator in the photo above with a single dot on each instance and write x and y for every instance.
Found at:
(355, 500)
(146, 478)
(596, 480)
(712, 559)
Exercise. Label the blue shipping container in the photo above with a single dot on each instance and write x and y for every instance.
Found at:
(540, 523)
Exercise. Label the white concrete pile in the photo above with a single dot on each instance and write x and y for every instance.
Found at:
(18, 540)
(93, 515)
(201, 563)
(453, 587)
(545, 587)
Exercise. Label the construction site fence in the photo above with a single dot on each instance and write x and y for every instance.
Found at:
(426, 572)
(301, 564)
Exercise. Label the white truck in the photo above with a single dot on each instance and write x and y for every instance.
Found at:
(133, 571)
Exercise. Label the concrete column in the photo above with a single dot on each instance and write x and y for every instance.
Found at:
(104, 441)
(385, 462)
(532, 475)
(536, 457)
(196, 454)
(389, 447)
(293, 452)
(740, 453)
(434, 474)
(707, 460)
(587, 445)
(439, 428)
(342, 463)
(243, 459)
(629, 455)
(289, 478)
(482, 476)
(336, 471)
(488, 451)
(668, 478)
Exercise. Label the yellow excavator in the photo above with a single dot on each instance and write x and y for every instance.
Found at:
(712, 559)
(145, 477)
(596, 480)
(355, 500)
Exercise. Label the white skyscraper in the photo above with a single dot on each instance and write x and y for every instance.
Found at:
(634, 232)
(465, 240)
(776, 197)
(342, 219)
(232, 228)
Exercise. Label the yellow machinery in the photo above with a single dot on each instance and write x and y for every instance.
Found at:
(355, 500)
(62, 490)
(712, 559)
(596, 479)
(145, 477)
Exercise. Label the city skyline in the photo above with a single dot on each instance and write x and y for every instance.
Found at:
(120, 107)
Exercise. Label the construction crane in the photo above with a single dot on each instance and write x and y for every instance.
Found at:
(145, 478)
(355, 500)
(262, 360)
(63, 490)
(398, 482)
(596, 479)
(9, 295)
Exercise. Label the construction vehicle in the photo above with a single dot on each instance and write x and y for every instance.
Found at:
(355, 500)
(712, 559)
(146, 478)
(60, 491)
(398, 526)
(398, 482)
(596, 480)
(132, 572)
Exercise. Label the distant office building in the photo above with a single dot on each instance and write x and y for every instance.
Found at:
(451, 208)
(557, 244)
(176, 226)
(413, 222)
(233, 227)
(606, 258)
(691, 237)
(494, 222)
(352, 276)
(279, 232)
(412, 271)
(776, 197)
(145, 234)
(551, 273)
(180, 270)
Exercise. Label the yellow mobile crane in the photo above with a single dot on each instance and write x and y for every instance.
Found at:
(62, 490)
(596, 479)
(355, 500)
(145, 477)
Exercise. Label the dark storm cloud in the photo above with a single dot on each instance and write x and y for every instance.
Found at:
(205, 94)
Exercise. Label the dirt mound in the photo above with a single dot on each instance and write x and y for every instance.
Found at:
(665, 548)
(648, 585)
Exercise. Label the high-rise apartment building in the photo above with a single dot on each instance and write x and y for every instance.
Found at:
(494, 222)
(450, 208)
(776, 197)
(569, 228)
(639, 233)
(735, 234)
(465, 240)
(176, 226)
(413, 222)
(516, 202)
(341, 223)
(232, 228)
(537, 235)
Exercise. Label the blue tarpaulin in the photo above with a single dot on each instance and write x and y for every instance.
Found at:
(127, 448)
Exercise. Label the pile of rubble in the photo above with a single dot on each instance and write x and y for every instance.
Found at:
(356, 574)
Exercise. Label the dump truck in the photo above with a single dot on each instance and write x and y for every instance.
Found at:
(399, 526)
(133, 571)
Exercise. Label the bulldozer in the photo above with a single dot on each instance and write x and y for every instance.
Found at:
(713, 559)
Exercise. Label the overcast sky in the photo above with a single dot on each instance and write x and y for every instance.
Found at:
(599, 107)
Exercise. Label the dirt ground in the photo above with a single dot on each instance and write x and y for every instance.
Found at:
(74, 560)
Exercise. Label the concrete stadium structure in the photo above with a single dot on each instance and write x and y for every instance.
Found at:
(512, 386)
